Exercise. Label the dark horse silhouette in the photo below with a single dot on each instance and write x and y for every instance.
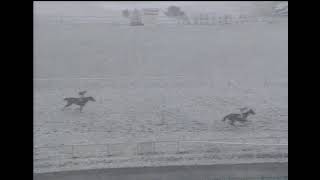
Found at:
(238, 117)
(78, 101)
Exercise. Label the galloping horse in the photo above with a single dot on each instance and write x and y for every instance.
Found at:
(238, 117)
(78, 101)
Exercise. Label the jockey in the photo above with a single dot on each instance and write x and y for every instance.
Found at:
(243, 110)
(81, 94)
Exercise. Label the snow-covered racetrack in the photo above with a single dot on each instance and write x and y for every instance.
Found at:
(159, 83)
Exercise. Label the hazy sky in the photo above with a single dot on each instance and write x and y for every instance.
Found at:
(86, 8)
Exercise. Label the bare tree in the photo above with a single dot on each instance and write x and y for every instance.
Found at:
(125, 13)
(174, 11)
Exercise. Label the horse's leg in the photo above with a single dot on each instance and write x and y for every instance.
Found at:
(67, 105)
(81, 108)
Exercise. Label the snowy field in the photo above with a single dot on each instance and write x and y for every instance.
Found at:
(168, 82)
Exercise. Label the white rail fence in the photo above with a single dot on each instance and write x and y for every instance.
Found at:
(118, 20)
(156, 82)
(272, 148)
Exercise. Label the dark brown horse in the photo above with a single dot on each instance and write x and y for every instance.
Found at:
(78, 101)
(238, 117)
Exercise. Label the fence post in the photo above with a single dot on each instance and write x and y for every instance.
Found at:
(137, 149)
(178, 148)
(72, 151)
(108, 151)
(255, 154)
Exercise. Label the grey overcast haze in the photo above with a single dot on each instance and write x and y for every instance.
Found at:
(100, 8)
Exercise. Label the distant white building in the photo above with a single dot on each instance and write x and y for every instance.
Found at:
(145, 16)
(150, 16)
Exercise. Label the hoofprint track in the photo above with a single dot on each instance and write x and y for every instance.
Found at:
(161, 93)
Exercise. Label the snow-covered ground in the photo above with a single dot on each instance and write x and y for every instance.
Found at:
(167, 82)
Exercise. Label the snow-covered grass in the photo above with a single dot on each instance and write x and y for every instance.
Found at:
(205, 158)
(159, 83)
